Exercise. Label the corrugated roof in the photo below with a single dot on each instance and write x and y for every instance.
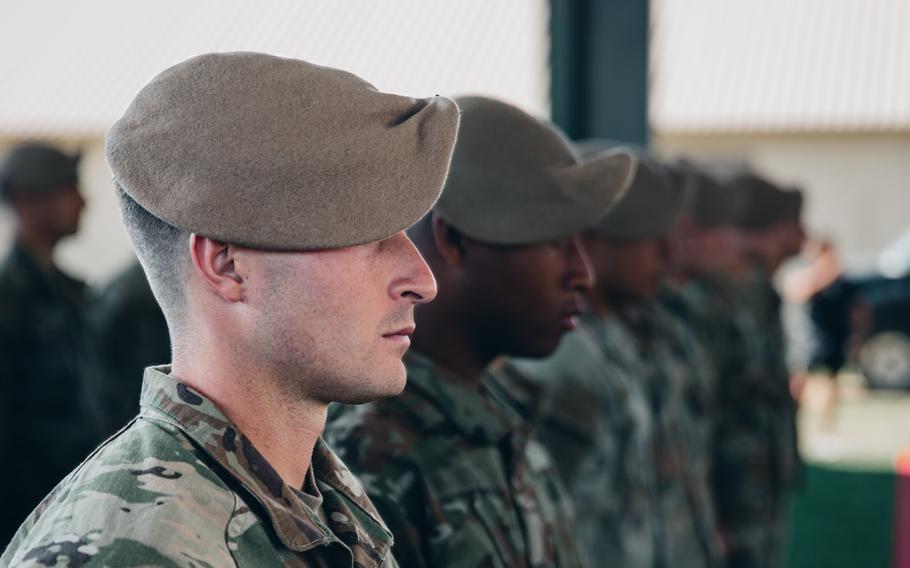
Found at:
(71, 68)
(780, 65)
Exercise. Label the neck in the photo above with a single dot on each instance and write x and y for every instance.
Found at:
(39, 246)
(448, 342)
(283, 427)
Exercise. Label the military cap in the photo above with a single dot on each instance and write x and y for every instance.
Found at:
(793, 211)
(649, 208)
(761, 203)
(280, 154)
(709, 202)
(515, 179)
(33, 169)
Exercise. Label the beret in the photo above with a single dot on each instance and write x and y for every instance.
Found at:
(649, 208)
(280, 154)
(709, 202)
(32, 169)
(515, 179)
(762, 204)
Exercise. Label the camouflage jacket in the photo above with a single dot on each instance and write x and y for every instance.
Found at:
(597, 423)
(682, 383)
(45, 426)
(454, 476)
(753, 449)
(180, 486)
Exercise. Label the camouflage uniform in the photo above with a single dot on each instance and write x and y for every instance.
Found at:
(597, 423)
(180, 486)
(44, 357)
(131, 335)
(454, 476)
(756, 457)
(683, 385)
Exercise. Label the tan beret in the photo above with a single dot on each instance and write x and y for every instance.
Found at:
(762, 203)
(516, 180)
(649, 208)
(280, 154)
(709, 202)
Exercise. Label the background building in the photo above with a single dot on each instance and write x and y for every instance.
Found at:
(70, 70)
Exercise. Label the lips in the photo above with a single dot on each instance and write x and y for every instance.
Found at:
(403, 332)
(568, 318)
(402, 336)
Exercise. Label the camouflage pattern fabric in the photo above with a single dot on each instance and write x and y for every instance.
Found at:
(754, 454)
(180, 486)
(683, 386)
(45, 427)
(756, 462)
(454, 476)
(597, 423)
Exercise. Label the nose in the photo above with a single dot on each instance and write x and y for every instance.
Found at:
(414, 280)
(579, 274)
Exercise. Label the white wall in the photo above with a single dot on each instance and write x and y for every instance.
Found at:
(95, 56)
(858, 185)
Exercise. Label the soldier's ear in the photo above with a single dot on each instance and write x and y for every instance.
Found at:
(215, 263)
(450, 243)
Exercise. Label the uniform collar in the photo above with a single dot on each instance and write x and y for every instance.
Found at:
(293, 513)
(464, 407)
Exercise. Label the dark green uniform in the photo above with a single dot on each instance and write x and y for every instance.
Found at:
(596, 421)
(44, 357)
(455, 475)
(757, 464)
(131, 335)
(181, 486)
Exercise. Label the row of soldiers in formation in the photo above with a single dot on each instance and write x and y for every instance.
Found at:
(600, 380)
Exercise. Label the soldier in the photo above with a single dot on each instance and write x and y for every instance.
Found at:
(701, 294)
(265, 198)
(615, 388)
(43, 353)
(131, 334)
(450, 466)
(757, 463)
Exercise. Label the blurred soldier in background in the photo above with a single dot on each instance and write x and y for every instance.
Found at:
(43, 344)
(616, 388)
(449, 463)
(700, 291)
(131, 334)
(757, 464)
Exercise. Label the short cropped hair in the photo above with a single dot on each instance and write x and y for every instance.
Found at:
(163, 252)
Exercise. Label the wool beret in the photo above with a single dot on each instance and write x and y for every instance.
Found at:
(709, 202)
(762, 204)
(515, 179)
(34, 169)
(649, 208)
(280, 154)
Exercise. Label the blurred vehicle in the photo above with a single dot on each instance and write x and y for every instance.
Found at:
(862, 319)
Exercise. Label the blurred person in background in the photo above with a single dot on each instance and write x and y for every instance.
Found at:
(44, 346)
(757, 465)
(450, 463)
(614, 413)
(131, 334)
(700, 291)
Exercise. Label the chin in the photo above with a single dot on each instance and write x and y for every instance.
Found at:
(387, 383)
